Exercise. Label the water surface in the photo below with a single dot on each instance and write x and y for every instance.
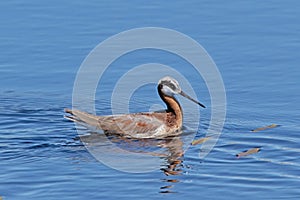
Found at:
(255, 46)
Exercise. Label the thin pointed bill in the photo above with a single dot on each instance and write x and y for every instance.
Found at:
(190, 98)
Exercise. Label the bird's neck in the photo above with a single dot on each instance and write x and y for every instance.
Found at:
(173, 106)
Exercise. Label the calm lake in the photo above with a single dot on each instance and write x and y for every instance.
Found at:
(254, 44)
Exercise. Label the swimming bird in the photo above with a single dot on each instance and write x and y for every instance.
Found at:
(145, 124)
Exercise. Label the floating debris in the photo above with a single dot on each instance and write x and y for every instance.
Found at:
(167, 191)
(166, 187)
(248, 152)
(265, 127)
(200, 141)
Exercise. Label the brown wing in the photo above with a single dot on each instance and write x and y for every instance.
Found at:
(140, 125)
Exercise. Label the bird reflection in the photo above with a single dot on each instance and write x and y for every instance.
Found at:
(174, 163)
(170, 150)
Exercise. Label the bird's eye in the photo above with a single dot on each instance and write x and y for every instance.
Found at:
(172, 87)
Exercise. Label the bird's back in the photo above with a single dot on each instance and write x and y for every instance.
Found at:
(137, 125)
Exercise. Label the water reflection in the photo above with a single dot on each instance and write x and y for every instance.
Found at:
(173, 167)
(170, 152)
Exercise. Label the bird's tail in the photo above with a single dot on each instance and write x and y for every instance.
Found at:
(82, 118)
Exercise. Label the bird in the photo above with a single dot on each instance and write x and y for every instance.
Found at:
(159, 124)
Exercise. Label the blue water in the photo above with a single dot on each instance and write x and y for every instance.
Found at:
(255, 45)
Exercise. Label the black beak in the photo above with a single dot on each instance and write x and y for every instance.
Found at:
(190, 98)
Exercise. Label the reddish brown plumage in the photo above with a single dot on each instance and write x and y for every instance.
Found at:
(141, 125)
